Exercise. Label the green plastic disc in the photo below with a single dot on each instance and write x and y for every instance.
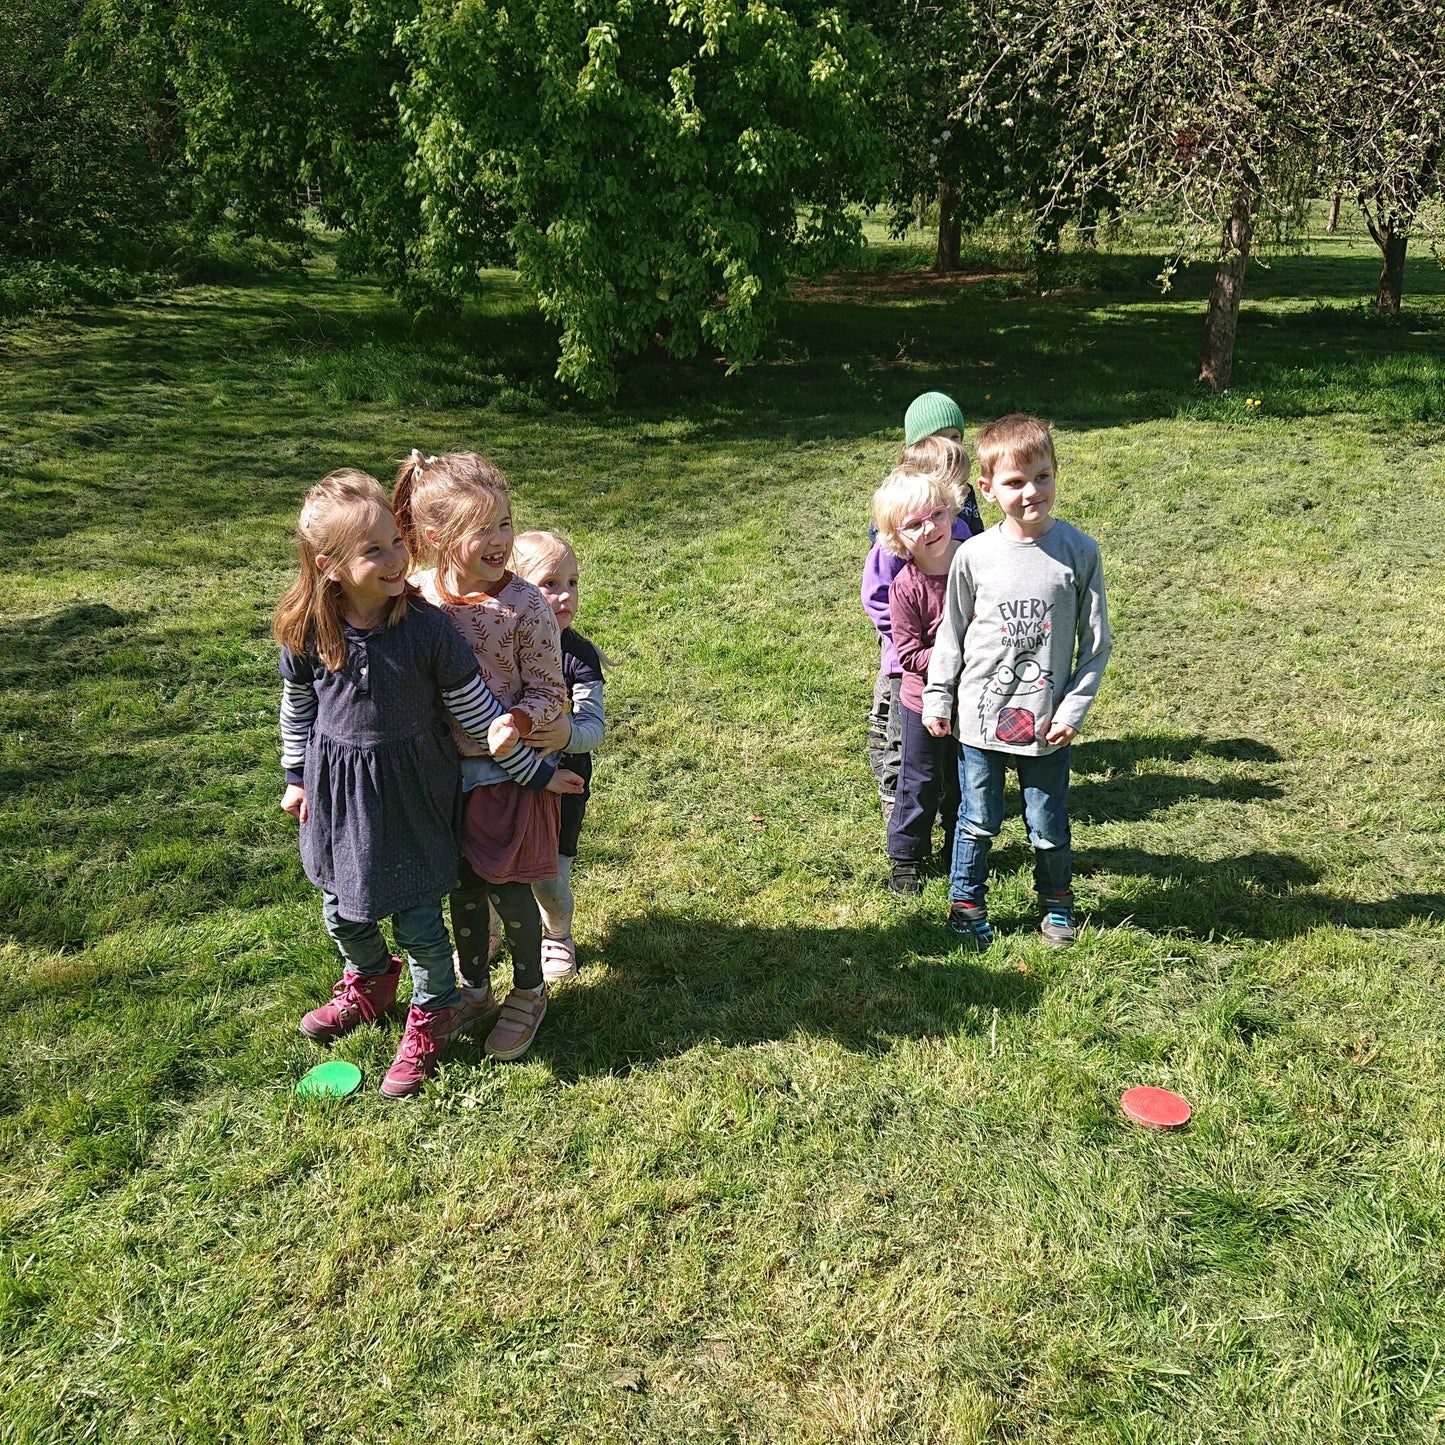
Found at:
(333, 1079)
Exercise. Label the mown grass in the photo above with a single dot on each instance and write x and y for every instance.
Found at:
(784, 1166)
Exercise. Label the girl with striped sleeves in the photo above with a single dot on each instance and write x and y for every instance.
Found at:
(370, 673)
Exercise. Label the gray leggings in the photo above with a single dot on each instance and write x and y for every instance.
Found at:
(555, 900)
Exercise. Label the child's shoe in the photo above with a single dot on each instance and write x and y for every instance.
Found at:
(559, 959)
(906, 878)
(522, 1014)
(1057, 924)
(426, 1035)
(476, 1004)
(358, 998)
(969, 921)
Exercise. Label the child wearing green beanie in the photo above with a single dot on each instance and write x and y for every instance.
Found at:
(929, 414)
(932, 424)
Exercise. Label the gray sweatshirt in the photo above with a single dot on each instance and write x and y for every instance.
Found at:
(1023, 641)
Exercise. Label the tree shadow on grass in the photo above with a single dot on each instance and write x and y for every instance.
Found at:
(1103, 755)
(1258, 895)
(1254, 894)
(247, 393)
(677, 981)
(1112, 782)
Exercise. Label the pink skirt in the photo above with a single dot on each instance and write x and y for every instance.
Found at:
(509, 833)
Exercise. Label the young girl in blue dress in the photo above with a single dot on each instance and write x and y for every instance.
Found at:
(371, 671)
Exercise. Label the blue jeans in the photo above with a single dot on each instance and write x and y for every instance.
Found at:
(1044, 782)
(421, 933)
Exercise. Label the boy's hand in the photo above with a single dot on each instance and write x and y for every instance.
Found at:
(502, 736)
(937, 727)
(565, 781)
(552, 737)
(293, 801)
(1060, 734)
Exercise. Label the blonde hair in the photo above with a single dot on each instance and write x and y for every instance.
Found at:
(452, 497)
(945, 456)
(906, 489)
(335, 516)
(533, 552)
(1016, 438)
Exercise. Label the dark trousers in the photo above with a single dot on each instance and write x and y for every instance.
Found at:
(523, 924)
(927, 789)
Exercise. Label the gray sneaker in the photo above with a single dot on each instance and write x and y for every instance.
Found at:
(1057, 924)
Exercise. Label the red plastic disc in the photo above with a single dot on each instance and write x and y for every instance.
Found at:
(1155, 1108)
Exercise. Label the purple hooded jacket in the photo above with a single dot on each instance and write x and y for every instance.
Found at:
(882, 567)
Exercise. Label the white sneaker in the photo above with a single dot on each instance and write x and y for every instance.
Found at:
(559, 959)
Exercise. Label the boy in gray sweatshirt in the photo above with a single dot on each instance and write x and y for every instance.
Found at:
(1016, 663)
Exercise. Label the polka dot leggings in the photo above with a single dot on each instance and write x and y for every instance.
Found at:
(523, 924)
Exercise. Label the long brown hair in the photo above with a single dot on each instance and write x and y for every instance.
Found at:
(450, 496)
(336, 514)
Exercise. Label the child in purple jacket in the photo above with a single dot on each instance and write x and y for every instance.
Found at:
(914, 513)
(932, 442)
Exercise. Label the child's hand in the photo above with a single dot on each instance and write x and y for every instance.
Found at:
(552, 737)
(1060, 734)
(293, 801)
(502, 736)
(937, 727)
(565, 781)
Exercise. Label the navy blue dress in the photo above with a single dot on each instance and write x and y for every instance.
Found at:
(382, 778)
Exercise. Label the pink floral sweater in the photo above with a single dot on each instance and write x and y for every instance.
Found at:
(513, 635)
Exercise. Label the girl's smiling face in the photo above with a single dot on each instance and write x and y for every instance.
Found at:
(556, 579)
(481, 557)
(927, 532)
(375, 574)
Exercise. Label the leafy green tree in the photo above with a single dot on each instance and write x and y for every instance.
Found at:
(655, 169)
(660, 167)
(1385, 126)
(279, 94)
(970, 121)
(88, 147)
(1203, 115)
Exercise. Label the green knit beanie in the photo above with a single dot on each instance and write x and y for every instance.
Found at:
(931, 412)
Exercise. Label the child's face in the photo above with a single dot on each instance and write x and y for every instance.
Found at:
(556, 579)
(927, 531)
(1025, 492)
(482, 556)
(376, 572)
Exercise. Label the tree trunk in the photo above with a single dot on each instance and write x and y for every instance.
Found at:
(950, 232)
(1332, 224)
(1216, 356)
(1392, 273)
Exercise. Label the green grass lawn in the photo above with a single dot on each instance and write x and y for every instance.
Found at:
(784, 1166)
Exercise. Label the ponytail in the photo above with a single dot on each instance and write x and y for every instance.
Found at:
(407, 476)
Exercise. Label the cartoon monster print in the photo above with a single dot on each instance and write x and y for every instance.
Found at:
(1014, 695)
